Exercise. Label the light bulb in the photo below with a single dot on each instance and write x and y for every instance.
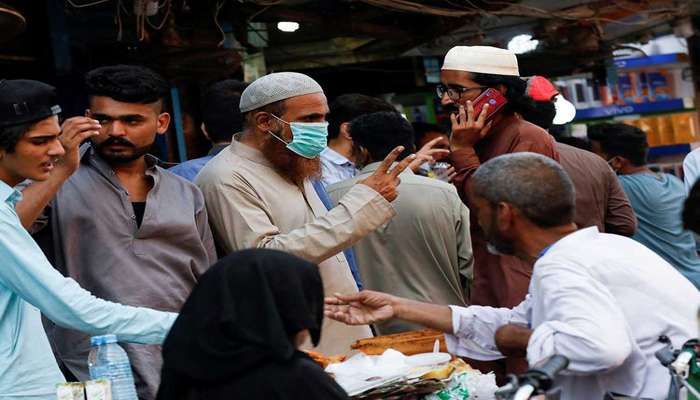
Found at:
(288, 26)
(566, 112)
(522, 44)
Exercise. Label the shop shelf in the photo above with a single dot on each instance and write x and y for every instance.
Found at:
(631, 109)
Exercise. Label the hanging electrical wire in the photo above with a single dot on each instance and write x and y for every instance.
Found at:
(118, 20)
(409, 6)
(257, 13)
(160, 26)
(268, 2)
(219, 6)
(94, 3)
(588, 14)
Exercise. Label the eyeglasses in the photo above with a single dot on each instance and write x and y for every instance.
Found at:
(454, 92)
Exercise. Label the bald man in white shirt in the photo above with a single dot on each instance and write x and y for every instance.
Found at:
(600, 300)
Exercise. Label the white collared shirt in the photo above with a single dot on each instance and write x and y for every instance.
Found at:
(600, 300)
(335, 167)
(691, 169)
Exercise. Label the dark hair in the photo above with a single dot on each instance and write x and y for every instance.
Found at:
(126, 83)
(691, 211)
(516, 91)
(349, 106)
(381, 132)
(621, 140)
(220, 109)
(542, 114)
(536, 185)
(10, 135)
(420, 129)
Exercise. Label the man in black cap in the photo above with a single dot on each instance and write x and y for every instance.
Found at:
(29, 285)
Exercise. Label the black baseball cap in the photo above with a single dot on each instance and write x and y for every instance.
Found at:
(23, 101)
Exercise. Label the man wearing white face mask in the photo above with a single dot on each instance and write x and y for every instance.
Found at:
(259, 193)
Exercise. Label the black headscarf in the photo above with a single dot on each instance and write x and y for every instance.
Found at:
(235, 328)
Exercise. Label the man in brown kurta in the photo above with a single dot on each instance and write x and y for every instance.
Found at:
(600, 200)
(499, 281)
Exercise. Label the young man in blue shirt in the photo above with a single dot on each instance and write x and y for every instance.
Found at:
(29, 286)
(221, 120)
(657, 198)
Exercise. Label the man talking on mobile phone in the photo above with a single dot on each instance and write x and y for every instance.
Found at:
(468, 71)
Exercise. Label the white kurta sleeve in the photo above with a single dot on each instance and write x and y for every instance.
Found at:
(474, 329)
(582, 320)
(691, 169)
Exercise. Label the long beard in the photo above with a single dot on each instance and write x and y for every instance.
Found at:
(289, 164)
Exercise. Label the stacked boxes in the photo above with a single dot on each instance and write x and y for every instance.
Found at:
(667, 129)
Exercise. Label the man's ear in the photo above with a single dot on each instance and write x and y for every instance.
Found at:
(204, 131)
(363, 157)
(163, 123)
(616, 163)
(345, 131)
(502, 88)
(264, 122)
(505, 213)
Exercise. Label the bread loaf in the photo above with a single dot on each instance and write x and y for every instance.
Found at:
(408, 343)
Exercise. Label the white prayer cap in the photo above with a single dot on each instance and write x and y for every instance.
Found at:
(482, 59)
(275, 87)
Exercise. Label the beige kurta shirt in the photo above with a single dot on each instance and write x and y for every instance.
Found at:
(251, 205)
(424, 253)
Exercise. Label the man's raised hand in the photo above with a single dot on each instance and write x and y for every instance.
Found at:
(74, 131)
(385, 179)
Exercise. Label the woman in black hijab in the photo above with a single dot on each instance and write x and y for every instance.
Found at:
(237, 334)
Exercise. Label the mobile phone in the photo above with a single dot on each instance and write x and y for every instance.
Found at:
(493, 98)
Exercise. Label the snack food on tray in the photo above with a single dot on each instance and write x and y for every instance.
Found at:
(408, 343)
(99, 389)
(70, 391)
(457, 365)
(324, 360)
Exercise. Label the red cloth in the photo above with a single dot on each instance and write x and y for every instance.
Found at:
(541, 89)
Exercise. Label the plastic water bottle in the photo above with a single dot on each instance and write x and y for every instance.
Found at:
(107, 360)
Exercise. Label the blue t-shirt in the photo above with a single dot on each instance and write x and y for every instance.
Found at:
(657, 199)
(190, 169)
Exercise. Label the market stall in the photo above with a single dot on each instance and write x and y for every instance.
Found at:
(409, 365)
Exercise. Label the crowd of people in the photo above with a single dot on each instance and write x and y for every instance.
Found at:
(524, 248)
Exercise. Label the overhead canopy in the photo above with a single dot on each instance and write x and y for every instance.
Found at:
(210, 38)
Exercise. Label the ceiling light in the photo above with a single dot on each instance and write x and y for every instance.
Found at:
(566, 112)
(522, 44)
(288, 26)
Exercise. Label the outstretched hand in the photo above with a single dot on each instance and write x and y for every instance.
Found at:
(363, 308)
(428, 153)
(385, 181)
